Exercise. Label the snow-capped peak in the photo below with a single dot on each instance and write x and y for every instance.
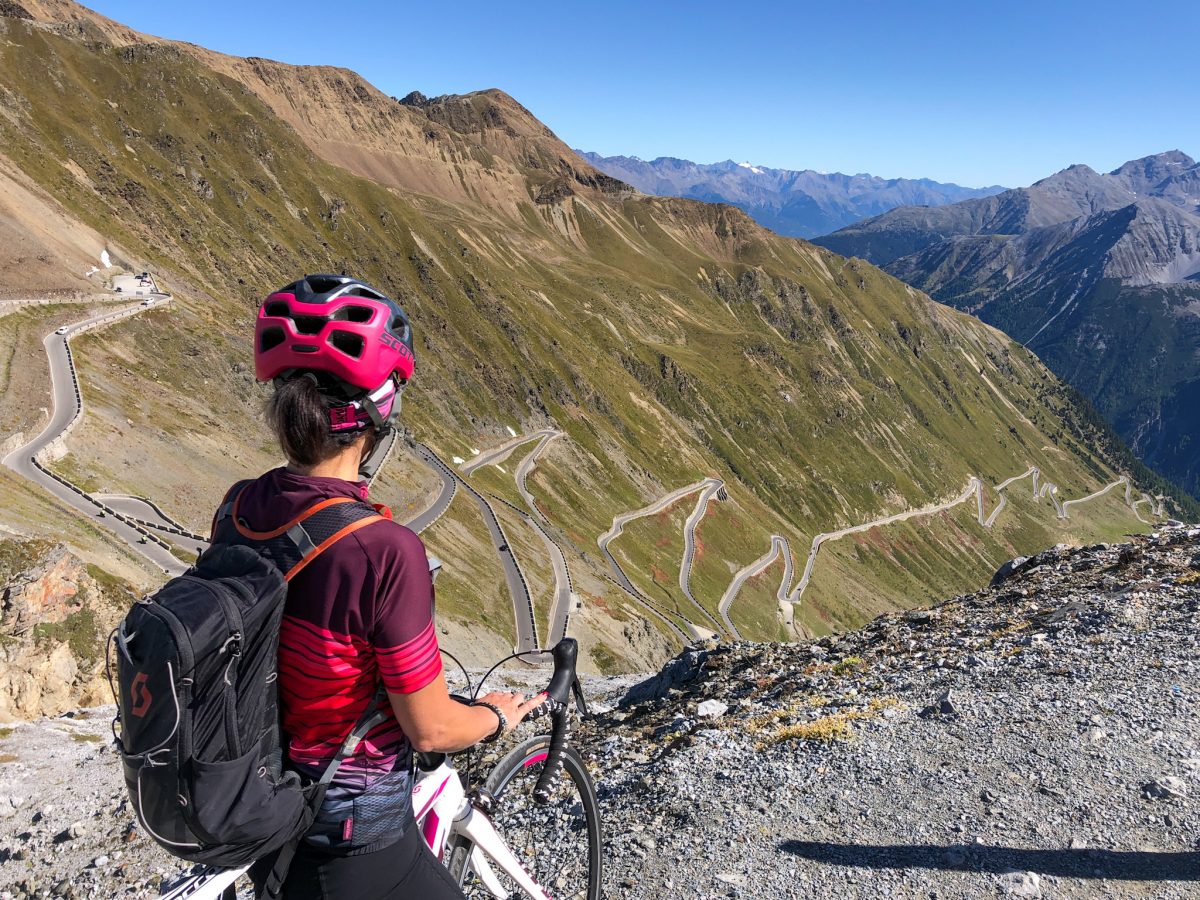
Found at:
(755, 169)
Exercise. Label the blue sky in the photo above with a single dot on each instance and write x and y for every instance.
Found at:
(972, 92)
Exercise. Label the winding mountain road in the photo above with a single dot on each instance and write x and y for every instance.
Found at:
(67, 411)
(527, 466)
(518, 587)
(445, 496)
(564, 598)
(714, 487)
(497, 455)
(564, 587)
(140, 522)
(618, 526)
(974, 488)
(779, 546)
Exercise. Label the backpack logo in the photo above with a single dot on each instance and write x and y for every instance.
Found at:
(140, 695)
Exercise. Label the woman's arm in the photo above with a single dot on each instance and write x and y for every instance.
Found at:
(435, 723)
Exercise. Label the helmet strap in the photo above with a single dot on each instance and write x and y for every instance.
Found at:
(365, 412)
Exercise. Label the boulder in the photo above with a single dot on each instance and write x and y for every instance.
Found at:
(53, 619)
(684, 668)
(1007, 570)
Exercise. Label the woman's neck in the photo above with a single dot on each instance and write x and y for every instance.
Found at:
(343, 466)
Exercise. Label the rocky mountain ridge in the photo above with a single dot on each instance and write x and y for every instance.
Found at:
(1073, 193)
(1040, 738)
(1098, 274)
(795, 203)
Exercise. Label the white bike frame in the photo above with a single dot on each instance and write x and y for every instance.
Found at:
(442, 813)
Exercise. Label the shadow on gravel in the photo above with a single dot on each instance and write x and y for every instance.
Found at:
(1127, 865)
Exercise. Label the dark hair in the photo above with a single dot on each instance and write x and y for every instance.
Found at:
(298, 413)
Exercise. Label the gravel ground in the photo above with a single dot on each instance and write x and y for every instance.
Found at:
(1036, 739)
(1040, 738)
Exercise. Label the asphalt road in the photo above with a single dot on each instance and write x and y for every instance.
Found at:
(713, 488)
(779, 546)
(449, 488)
(527, 465)
(564, 599)
(67, 406)
(564, 588)
(523, 618)
(618, 525)
(975, 489)
(497, 455)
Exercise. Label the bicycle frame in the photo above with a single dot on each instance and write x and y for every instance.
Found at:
(443, 812)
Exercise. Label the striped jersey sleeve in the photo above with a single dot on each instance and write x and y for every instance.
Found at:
(404, 639)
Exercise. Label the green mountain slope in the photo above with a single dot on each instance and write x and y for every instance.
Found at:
(670, 340)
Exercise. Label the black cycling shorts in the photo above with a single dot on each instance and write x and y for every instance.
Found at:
(405, 870)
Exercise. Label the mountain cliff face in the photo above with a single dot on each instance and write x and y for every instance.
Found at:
(1098, 274)
(669, 340)
(798, 204)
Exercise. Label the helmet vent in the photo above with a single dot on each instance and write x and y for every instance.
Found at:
(349, 343)
(359, 314)
(304, 348)
(323, 284)
(309, 324)
(361, 290)
(271, 338)
(278, 309)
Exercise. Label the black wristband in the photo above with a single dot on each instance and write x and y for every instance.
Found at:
(500, 727)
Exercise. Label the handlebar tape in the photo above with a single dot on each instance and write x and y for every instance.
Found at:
(559, 735)
(565, 654)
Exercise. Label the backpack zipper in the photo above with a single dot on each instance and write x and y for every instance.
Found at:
(232, 646)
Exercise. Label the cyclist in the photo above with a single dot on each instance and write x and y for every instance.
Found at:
(340, 354)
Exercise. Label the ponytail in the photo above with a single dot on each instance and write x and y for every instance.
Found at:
(298, 413)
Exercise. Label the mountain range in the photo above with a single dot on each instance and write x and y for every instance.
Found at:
(1099, 274)
(794, 203)
(656, 343)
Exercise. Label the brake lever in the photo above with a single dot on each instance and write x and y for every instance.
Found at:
(580, 703)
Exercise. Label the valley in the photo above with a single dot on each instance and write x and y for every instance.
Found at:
(642, 342)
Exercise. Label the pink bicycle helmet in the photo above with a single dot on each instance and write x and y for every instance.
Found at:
(353, 340)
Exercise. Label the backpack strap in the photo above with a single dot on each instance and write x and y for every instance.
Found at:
(373, 715)
(295, 544)
(226, 507)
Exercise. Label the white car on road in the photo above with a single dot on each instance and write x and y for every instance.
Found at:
(63, 330)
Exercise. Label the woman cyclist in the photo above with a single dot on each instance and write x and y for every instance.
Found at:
(361, 613)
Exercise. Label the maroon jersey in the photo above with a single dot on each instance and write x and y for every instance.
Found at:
(359, 614)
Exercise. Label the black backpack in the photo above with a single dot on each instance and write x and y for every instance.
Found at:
(199, 733)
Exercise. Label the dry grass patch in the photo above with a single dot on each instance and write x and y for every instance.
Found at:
(849, 666)
(822, 730)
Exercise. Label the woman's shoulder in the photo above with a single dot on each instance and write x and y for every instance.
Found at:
(388, 542)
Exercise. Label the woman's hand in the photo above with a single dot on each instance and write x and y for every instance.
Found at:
(435, 723)
(514, 705)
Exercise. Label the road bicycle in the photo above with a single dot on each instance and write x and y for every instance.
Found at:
(531, 829)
